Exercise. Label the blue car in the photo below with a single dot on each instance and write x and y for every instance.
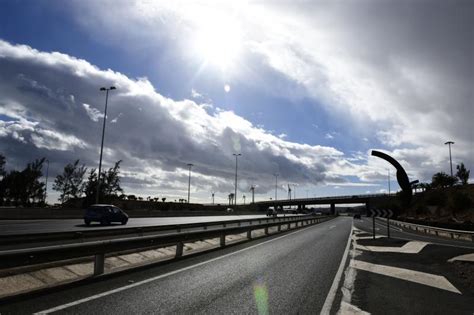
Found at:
(105, 214)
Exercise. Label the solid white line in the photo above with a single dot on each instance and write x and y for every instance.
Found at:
(335, 284)
(136, 284)
(424, 278)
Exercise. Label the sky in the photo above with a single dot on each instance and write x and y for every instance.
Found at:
(302, 89)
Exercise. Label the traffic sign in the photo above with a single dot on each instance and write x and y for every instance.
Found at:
(381, 213)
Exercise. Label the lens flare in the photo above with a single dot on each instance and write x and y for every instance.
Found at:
(260, 294)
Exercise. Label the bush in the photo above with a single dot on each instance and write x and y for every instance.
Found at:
(436, 198)
(461, 201)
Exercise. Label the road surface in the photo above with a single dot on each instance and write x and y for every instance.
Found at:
(287, 273)
(14, 227)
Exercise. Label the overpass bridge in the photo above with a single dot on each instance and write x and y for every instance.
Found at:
(331, 201)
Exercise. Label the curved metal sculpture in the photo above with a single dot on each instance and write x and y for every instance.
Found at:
(402, 176)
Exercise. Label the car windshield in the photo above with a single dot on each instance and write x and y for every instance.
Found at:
(237, 156)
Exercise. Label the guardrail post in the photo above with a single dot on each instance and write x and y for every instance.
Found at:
(249, 234)
(289, 226)
(222, 240)
(205, 226)
(179, 249)
(279, 227)
(99, 262)
(266, 230)
(224, 225)
(238, 223)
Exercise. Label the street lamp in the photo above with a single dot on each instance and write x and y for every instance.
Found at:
(46, 183)
(102, 143)
(189, 181)
(276, 186)
(450, 160)
(235, 193)
(212, 193)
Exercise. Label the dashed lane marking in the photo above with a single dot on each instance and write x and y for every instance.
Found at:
(413, 247)
(427, 279)
(332, 227)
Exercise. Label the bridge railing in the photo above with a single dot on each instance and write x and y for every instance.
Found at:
(99, 249)
(324, 198)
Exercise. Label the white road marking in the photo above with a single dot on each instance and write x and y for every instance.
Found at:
(349, 309)
(413, 247)
(335, 284)
(427, 279)
(467, 257)
(332, 227)
(136, 284)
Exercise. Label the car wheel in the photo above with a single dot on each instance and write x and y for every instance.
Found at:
(124, 222)
(87, 222)
(104, 222)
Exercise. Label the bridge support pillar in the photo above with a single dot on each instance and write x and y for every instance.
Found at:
(367, 208)
(333, 208)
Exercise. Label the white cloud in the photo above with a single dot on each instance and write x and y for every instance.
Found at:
(156, 140)
(93, 113)
(399, 72)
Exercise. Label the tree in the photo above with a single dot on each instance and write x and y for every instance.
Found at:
(2, 166)
(90, 189)
(441, 180)
(2, 182)
(163, 199)
(109, 186)
(462, 173)
(111, 181)
(24, 188)
(70, 183)
(131, 197)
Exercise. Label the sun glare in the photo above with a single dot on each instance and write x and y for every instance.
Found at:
(219, 43)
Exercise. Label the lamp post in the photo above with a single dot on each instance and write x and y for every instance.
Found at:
(450, 160)
(46, 183)
(235, 192)
(189, 181)
(212, 194)
(102, 143)
(276, 186)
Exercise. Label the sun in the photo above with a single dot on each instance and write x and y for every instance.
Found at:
(218, 43)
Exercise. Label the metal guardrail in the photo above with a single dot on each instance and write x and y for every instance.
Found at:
(98, 249)
(82, 236)
(441, 232)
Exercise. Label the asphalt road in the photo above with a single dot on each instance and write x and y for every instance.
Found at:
(286, 273)
(365, 224)
(14, 227)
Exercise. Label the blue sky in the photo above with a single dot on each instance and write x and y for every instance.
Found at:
(335, 78)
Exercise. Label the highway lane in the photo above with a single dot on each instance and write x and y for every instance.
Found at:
(365, 224)
(13, 227)
(287, 273)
